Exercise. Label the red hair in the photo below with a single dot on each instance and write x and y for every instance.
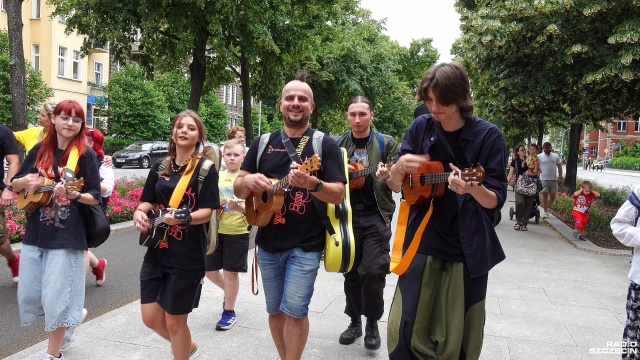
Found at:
(46, 154)
(98, 139)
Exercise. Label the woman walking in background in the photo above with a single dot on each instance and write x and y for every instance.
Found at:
(524, 203)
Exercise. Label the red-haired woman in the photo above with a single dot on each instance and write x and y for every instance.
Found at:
(52, 259)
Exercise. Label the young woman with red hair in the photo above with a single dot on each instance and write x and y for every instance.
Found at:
(52, 259)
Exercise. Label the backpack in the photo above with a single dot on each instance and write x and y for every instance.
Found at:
(213, 157)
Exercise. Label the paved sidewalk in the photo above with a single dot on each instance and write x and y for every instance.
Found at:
(551, 299)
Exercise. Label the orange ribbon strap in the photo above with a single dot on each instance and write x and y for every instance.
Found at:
(181, 187)
(399, 263)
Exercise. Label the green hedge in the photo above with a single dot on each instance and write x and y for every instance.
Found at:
(625, 162)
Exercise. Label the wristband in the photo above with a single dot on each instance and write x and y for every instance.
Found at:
(186, 221)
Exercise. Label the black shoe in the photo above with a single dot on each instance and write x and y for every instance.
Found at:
(372, 337)
(353, 332)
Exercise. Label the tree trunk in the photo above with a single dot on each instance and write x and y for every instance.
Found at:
(198, 70)
(18, 82)
(246, 97)
(570, 177)
(540, 124)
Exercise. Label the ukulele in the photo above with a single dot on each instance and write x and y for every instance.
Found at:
(356, 178)
(158, 228)
(260, 206)
(419, 188)
(30, 200)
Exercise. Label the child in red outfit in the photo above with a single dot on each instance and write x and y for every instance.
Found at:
(581, 205)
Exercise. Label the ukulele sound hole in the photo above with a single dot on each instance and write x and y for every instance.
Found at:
(264, 197)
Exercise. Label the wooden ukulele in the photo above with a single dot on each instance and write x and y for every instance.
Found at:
(30, 200)
(357, 178)
(260, 206)
(419, 188)
(158, 228)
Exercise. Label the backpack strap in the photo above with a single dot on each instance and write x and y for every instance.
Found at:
(316, 141)
(633, 199)
(262, 145)
(381, 145)
(204, 170)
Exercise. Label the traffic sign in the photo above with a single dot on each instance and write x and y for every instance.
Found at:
(606, 151)
(586, 152)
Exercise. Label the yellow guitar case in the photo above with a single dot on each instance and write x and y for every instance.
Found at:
(339, 249)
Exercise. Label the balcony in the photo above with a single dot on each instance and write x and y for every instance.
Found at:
(100, 48)
(96, 89)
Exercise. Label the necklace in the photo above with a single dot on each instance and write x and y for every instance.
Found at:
(178, 168)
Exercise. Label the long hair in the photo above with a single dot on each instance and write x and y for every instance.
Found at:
(46, 154)
(98, 140)
(450, 85)
(517, 151)
(202, 137)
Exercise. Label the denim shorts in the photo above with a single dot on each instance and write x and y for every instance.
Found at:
(288, 278)
(51, 285)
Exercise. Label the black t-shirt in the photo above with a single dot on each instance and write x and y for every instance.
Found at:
(441, 238)
(298, 224)
(69, 233)
(186, 246)
(365, 195)
(518, 166)
(8, 146)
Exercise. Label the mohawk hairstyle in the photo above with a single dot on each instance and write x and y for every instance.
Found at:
(301, 75)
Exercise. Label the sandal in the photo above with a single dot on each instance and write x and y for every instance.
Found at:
(524, 228)
(516, 227)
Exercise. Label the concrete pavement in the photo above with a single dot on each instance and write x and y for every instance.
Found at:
(552, 298)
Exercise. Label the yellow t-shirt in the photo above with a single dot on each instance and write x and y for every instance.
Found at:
(532, 159)
(230, 222)
(30, 137)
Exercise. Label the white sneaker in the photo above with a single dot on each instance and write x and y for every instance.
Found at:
(49, 357)
(70, 332)
(542, 214)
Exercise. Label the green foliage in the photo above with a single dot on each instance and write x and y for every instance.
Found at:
(215, 117)
(174, 87)
(597, 220)
(37, 90)
(614, 196)
(625, 162)
(113, 144)
(270, 120)
(137, 110)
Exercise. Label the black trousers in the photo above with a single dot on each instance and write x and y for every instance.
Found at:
(364, 284)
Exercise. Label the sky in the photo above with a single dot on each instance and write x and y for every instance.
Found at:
(415, 19)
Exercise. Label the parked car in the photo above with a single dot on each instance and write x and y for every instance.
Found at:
(600, 165)
(141, 153)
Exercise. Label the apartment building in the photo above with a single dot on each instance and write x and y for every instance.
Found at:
(598, 144)
(57, 56)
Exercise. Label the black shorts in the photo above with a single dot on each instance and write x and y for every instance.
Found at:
(176, 294)
(231, 254)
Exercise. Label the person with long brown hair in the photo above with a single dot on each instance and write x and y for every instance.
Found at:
(524, 203)
(172, 272)
(52, 259)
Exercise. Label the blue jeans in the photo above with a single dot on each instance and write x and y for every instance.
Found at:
(51, 284)
(288, 278)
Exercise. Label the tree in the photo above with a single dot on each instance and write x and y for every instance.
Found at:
(137, 110)
(18, 82)
(552, 63)
(37, 90)
(215, 117)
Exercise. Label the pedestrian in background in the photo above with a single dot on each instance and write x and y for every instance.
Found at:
(626, 229)
(233, 236)
(549, 163)
(524, 203)
(582, 199)
(9, 152)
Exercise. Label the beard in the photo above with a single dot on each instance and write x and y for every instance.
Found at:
(302, 123)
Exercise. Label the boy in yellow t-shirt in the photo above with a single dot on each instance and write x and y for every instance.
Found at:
(532, 158)
(233, 236)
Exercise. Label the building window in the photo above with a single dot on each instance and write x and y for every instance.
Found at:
(62, 59)
(97, 73)
(224, 94)
(3, 5)
(63, 18)
(594, 151)
(636, 126)
(75, 67)
(35, 57)
(35, 9)
(622, 125)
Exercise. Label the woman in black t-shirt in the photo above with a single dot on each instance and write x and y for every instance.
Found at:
(172, 272)
(524, 203)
